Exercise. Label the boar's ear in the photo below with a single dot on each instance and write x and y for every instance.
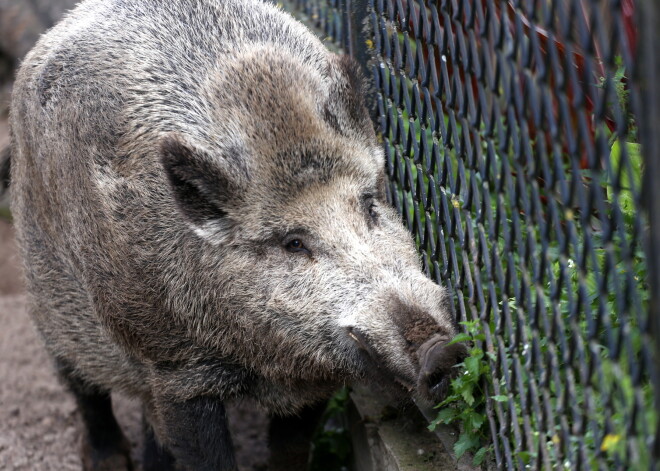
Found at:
(346, 109)
(202, 187)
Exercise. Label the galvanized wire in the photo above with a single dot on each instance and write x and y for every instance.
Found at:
(510, 133)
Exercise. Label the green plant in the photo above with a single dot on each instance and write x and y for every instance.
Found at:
(466, 402)
(332, 449)
(619, 81)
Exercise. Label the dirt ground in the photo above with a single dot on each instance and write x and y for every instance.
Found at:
(39, 426)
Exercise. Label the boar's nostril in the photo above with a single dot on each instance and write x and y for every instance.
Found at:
(437, 362)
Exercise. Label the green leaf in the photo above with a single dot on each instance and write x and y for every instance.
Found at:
(500, 398)
(458, 383)
(471, 326)
(631, 174)
(472, 366)
(473, 420)
(462, 337)
(448, 400)
(480, 456)
(468, 397)
(525, 456)
(447, 415)
(466, 442)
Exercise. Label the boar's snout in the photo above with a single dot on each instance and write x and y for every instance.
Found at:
(437, 366)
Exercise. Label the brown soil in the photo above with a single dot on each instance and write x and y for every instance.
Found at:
(39, 426)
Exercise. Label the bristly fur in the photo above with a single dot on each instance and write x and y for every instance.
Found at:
(169, 158)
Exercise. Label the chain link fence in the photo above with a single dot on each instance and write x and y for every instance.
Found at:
(511, 131)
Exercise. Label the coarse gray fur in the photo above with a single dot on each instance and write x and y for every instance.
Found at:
(167, 159)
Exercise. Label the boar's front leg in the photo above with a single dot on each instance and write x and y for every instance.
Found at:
(104, 446)
(195, 432)
(155, 457)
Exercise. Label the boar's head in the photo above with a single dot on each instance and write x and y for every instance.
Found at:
(320, 282)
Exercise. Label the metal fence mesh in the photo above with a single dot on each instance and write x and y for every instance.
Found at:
(511, 142)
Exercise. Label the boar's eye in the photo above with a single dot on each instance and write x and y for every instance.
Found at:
(370, 204)
(372, 210)
(296, 245)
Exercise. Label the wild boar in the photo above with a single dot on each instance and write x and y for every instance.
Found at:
(199, 199)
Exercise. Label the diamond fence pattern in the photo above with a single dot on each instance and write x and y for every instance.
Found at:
(510, 132)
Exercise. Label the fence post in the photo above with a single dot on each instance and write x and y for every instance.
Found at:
(649, 125)
(355, 41)
(356, 12)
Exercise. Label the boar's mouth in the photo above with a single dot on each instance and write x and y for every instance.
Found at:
(376, 361)
(436, 358)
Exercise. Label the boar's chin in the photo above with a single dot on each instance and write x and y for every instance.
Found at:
(386, 384)
(437, 359)
(376, 370)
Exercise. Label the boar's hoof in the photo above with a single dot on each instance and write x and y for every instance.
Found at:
(437, 361)
(115, 457)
